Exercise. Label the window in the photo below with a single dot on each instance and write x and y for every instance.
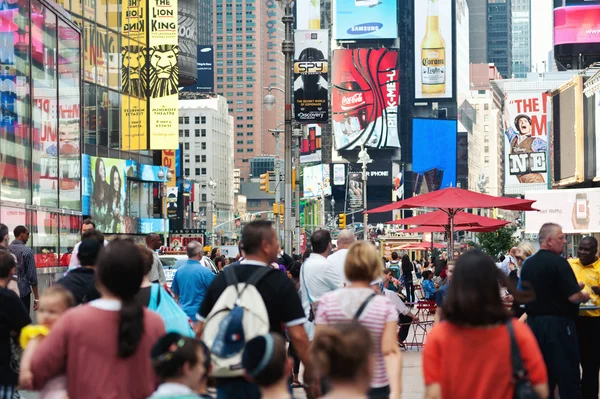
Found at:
(186, 133)
(250, 125)
(486, 128)
(204, 171)
(240, 150)
(486, 118)
(250, 142)
(180, 133)
(197, 158)
(486, 106)
(203, 119)
(249, 118)
(250, 134)
(240, 142)
(181, 120)
(186, 171)
(487, 159)
(250, 149)
(203, 133)
(486, 149)
(203, 158)
(486, 139)
(203, 146)
(197, 132)
(239, 134)
(186, 146)
(249, 109)
(203, 197)
(197, 171)
(187, 160)
(186, 120)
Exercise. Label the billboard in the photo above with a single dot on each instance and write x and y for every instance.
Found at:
(187, 26)
(365, 19)
(308, 14)
(577, 24)
(525, 141)
(576, 210)
(433, 49)
(310, 151)
(163, 79)
(434, 155)
(204, 70)
(316, 181)
(310, 76)
(365, 98)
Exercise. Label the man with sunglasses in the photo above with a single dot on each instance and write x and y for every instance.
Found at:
(587, 271)
(26, 270)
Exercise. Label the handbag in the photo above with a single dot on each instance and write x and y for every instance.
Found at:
(523, 387)
(173, 316)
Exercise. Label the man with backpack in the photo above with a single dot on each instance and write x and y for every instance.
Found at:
(247, 300)
(394, 265)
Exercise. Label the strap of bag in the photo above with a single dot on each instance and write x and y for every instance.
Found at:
(87, 291)
(310, 301)
(256, 278)
(519, 372)
(230, 277)
(364, 305)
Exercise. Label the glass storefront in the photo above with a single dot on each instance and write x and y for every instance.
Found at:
(40, 126)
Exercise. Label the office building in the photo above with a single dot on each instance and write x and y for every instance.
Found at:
(206, 132)
(478, 24)
(521, 38)
(499, 36)
(205, 21)
(247, 37)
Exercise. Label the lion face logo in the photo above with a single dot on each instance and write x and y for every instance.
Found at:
(133, 76)
(164, 70)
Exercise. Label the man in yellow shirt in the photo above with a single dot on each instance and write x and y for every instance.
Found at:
(587, 270)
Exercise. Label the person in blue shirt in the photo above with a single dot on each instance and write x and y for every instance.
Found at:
(191, 281)
(428, 285)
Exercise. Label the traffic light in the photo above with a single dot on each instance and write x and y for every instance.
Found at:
(214, 220)
(276, 209)
(264, 182)
(342, 220)
(294, 179)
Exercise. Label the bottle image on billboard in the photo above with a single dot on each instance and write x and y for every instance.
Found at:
(433, 53)
(349, 105)
(314, 14)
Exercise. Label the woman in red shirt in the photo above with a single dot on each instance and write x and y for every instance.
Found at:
(469, 354)
(104, 346)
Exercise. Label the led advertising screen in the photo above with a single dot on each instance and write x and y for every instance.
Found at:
(308, 14)
(365, 19)
(434, 154)
(316, 181)
(577, 24)
(433, 49)
(205, 71)
(310, 151)
(365, 98)
(310, 76)
(525, 141)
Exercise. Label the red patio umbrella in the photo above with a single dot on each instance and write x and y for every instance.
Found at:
(452, 201)
(444, 229)
(440, 218)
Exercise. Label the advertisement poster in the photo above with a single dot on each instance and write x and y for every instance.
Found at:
(365, 19)
(69, 127)
(134, 19)
(316, 181)
(365, 98)
(339, 174)
(310, 151)
(575, 210)
(134, 130)
(187, 26)
(525, 141)
(205, 71)
(433, 49)
(308, 14)
(107, 193)
(597, 131)
(355, 190)
(172, 202)
(163, 77)
(434, 166)
(310, 76)
(577, 24)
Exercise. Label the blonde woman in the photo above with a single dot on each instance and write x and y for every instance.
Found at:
(524, 250)
(375, 312)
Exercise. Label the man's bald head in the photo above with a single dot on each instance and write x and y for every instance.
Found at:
(552, 238)
(345, 238)
(194, 250)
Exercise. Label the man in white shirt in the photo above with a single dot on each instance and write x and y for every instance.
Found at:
(317, 276)
(338, 258)
(88, 224)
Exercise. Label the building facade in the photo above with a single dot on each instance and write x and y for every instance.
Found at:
(521, 38)
(205, 21)
(247, 36)
(499, 36)
(478, 22)
(206, 132)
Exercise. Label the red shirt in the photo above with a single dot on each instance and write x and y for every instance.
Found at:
(475, 363)
(83, 344)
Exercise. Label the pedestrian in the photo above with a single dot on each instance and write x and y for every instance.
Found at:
(294, 276)
(587, 270)
(284, 259)
(469, 354)
(54, 302)
(157, 274)
(405, 317)
(145, 291)
(13, 283)
(343, 354)
(183, 365)
(13, 317)
(394, 265)
(509, 263)
(266, 365)
(440, 264)
(428, 285)
(551, 315)
(191, 281)
(104, 345)
(338, 259)
(214, 253)
(81, 282)
(389, 282)
(524, 250)
(407, 276)
(220, 263)
(278, 295)
(317, 277)
(375, 312)
(26, 269)
(88, 224)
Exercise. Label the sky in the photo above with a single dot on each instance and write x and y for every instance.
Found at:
(541, 32)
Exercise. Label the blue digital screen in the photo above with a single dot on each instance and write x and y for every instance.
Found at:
(206, 71)
(433, 154)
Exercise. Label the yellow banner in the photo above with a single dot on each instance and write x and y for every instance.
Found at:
(168, 160)
(133, 20)
(163, 78)
(133, 123)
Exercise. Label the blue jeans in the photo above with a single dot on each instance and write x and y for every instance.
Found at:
(237, 388)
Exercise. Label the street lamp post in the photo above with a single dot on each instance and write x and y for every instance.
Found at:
(212, 186)
(165, 178)
(364, 158)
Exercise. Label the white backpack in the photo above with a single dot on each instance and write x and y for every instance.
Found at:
(238, 316)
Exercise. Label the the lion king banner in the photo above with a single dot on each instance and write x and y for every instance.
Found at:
(163, 75)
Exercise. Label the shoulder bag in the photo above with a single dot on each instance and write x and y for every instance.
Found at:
(523, 387)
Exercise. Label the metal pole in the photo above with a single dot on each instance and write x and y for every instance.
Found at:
(277, 188)
(166, 231)
(365, 215)
(297, 212)
(288, 50)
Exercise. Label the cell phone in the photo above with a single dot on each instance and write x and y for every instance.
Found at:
(581, 207)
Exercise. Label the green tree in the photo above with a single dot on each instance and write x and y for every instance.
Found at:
(498, 242)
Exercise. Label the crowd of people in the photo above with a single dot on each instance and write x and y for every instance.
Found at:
(111, 327)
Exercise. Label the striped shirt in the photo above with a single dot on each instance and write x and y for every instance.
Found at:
(341, 305)
(26, 270)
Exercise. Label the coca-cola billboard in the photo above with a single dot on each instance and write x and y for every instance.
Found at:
(365, 98)
(310, 76)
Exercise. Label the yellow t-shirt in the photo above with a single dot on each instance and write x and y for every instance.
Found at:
(590, 276)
